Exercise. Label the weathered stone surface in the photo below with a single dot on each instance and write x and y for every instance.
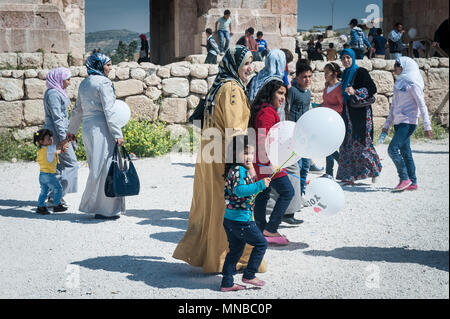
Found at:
(152, 80)
(30, 60)
(11, 113)
(142, 108)
(72, 89)
(129, 65)
(199, 86)
(180, 70)
(83, 71)
(8, 60)
(192, 101)
(433, 62)
(383, 80)
(320, 65)
(128, 87)
(213, 69)
(35, 88)
(42, 74)
(443, 62)
(366, 64)
(34, 112)
(122, 73)
(150, 68)
(177, 86)
(434, 98)
(199, 71)
(211, 81)
(379, 63)
(438, 78)
(17, 74)
(318, 82)
(11, 89)
(163, 72)
(173, 110)
(6, 73)
(112, 74)
(196, 58)
(390, 65)
(153, 93)
(378, 123)
(138, 74)
(381, 106)
(26, 133)
(317, 98)
(30, 73)
(53, 60)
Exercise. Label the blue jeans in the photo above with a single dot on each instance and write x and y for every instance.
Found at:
(400, 152)
(284, 188)
(239, 234)
(394, 56)
(303, 165)
(222, 35)
(49, 182)
(330, 162)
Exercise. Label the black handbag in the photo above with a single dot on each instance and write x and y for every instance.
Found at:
(198, 114)
(355, 103)
(122, 179)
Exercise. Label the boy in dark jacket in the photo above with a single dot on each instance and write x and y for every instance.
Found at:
(299, 98)
(211, 47)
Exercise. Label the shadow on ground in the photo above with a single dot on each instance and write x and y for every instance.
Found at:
(154, 271)
(160, 217)
(438, 259)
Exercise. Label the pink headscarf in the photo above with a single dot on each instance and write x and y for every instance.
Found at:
(55, 79)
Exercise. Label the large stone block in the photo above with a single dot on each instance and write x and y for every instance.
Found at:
(123, 73)
(200, 71)
(30, 60)
(379, 63)
(8, 60)
(163, 72)
(128, 87)
(11, 89)
(142, 108)
(383, 80)
(153, 93)
(11, 114)
(289, 25)
(318, 82)
(285, 7)
(138, 74)
(52, 60)
(196, 58)
(381, 106)
(35, 88)
(180, 70)
(438, 79)
(72, 89)
(434, 98)
(176, 86)
(199, 86)
(173, 110)
(34, 112)
(152, 80)
(365, 63)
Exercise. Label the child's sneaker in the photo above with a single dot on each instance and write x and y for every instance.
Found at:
(59, 208)
(402, 185)
(412, 187)
(235, 287)
(42, 210)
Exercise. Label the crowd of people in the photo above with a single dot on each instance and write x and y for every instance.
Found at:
(228, 229)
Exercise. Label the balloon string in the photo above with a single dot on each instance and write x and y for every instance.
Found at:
(278, 170)
(284, 171)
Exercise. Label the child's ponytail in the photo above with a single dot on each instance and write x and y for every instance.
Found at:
(39, 136)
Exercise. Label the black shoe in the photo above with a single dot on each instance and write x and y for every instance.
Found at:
(315, 169)
(42, 210)
(291, 220)
(59, 208)
(98, 216)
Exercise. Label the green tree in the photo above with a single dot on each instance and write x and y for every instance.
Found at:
(132, 48)
(121, 53)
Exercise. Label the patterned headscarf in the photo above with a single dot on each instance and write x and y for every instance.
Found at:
(55, 79)
(232, 62)
(349, 72)
(273, 70)
(95, 63)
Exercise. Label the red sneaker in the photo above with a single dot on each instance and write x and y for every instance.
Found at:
(402, 185)
(279, 240)
(412, 187)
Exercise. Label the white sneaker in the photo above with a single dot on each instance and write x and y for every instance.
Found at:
(374, 179)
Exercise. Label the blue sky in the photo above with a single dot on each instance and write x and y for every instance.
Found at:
(134, 14)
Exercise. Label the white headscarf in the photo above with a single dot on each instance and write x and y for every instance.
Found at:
(410, 73)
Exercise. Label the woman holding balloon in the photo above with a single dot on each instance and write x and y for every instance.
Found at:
(358, 158)
(263, 117)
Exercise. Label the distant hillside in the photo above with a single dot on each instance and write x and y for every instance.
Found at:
(109, 39)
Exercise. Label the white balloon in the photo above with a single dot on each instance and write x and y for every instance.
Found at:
(318, 133)
(325, 196)
(279, 144)
(343, 38)
(412, 33)
(121, 113)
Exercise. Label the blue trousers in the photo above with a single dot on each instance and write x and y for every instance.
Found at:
(284, 188)
(239, 234)
(49, 182)
(224, 35)
(400, 152)
(304, 165)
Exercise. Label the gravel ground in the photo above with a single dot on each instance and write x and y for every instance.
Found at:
(382, 245)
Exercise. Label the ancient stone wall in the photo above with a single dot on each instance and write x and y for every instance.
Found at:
(171, 92)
